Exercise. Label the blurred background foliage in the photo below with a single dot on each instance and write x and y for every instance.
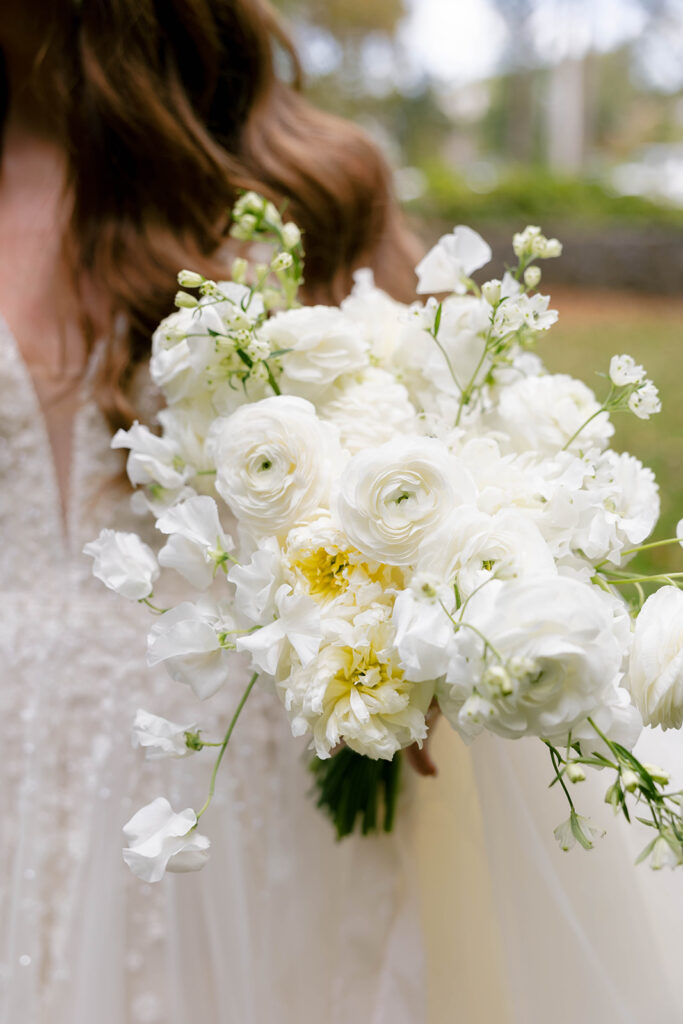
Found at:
(564, 113)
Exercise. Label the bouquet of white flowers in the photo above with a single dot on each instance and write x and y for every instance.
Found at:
(391, 506)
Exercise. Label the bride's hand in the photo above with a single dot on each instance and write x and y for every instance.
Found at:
(419, 758)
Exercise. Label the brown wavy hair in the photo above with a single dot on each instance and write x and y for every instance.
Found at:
(168, 108)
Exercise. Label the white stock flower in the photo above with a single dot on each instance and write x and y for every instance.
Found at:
(197, 544)
(357, 692)
(273, 462)
(124, 563)
(541, 414)
(391, 497)
(152, 459)
(655, 676)
(624, 370)
(297, 626)
(160, 738)
(645, 402)
(561, 651)
(189, 641)
(160, 840)
(368, 409)
(451, 261)
(322, 344)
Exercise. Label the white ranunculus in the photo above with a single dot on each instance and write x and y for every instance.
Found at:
(616, 718)
(541, 414)
(124, 563)
(391, 497)
(556, 653)
(453, 259)
(655, 676)
(160, 840)
(152, 459)
(620, 507)
(297, 626)
(368, 409)
(160, 738)
(182, 347)
(322, 344)
(357, 692)
(273, 462)
(187, 640)
(197, 543)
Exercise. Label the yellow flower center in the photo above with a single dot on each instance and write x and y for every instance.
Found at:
(325, 572)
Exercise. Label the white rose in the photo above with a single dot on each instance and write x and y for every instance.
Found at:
(124, 563)
(453, 259)
(197, 544)
(541, 414)
(655, 677)
(369, 409)
(391, 497)
(188, 641)
(160, 840)
(160, 738)
(555, 656)
(273, 462)
(322, 344)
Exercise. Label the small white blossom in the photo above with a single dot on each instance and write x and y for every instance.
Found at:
(161, 840)
(197, 543)
(160, 738)
(455, 257)
(124, 563)
(624, 370)
(645, 402)
(577, 829)
(188, 641)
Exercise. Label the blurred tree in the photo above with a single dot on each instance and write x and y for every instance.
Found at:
(348, 18)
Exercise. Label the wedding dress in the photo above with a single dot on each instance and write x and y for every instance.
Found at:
(284, 925)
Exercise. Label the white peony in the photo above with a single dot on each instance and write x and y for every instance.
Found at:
(124, 563)
(391, 497)
(319, 344)
(368, 409)
(541, 414)
(197, 543)
(453, 259)
(555, 654)
(358, 693)
(273, 461)
(655, 676)
(160, 840)
(160, 738)
(190, 640)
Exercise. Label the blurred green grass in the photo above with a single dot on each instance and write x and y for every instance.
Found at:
(581, 344)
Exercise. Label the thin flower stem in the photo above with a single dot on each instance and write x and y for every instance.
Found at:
(468, 625)
(444, 353)
(233, 723)
(467, 393)
(556, 759)
(582, 427)
(155, 608)
(647, 579)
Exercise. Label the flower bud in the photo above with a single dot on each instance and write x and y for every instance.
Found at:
(282, 261)
(491, 292)
(657, 774)
(532, 277)
(190, 279)
(185, 300)
(553, 248)
(291, 235)
(239, 270)
(575, 773)
(630, 780)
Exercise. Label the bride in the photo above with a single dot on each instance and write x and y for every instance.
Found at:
(126, 129)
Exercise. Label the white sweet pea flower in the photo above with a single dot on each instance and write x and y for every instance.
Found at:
(160, 840)
(452, 261)
(624, 370)
(391, 497)
(358, 693)
(321, 344)
(645, 402)
(160, 738)
(191, 640)
(541, 414)
(124, 563)
(197, 544)
(655, 676)
(257, 582)
(273, 461)
(561, 649)
(297, 626)
(152, 459)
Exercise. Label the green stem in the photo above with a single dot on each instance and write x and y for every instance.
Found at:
(467, 393)
(647, 579)
(583, 426)
(233, 723)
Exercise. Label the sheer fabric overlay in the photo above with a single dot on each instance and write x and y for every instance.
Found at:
(284, 924)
